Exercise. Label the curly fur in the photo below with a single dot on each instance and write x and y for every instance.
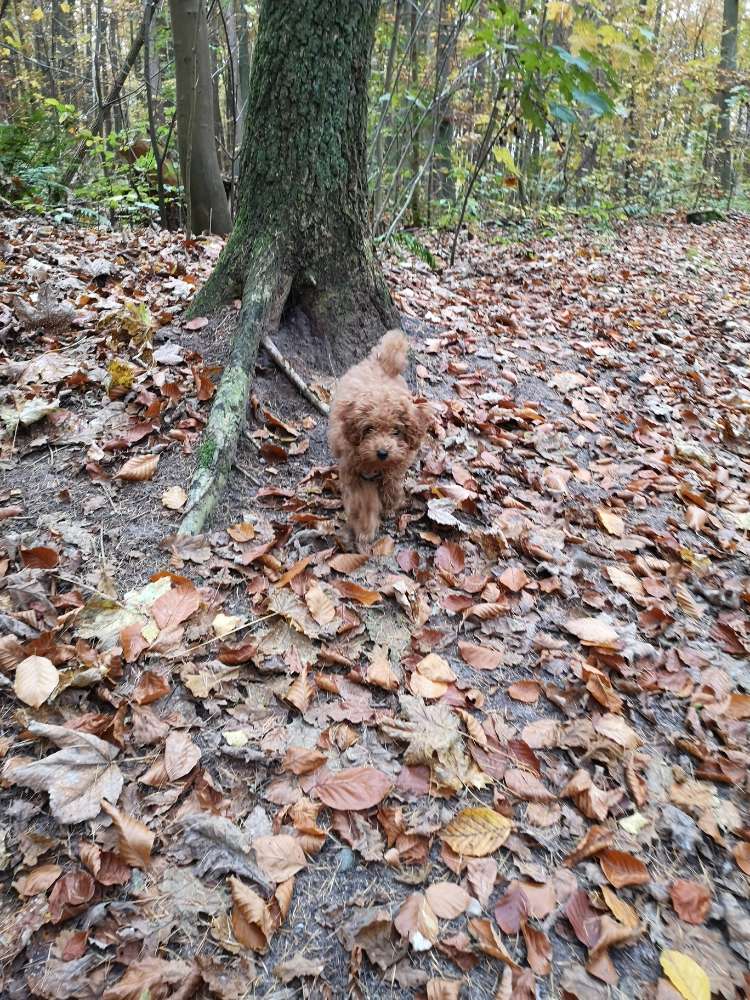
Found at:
(375, 429)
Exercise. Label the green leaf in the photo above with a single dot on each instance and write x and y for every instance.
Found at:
(562, 113)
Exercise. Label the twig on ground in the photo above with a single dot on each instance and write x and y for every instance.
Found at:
(294, 377)
(246, 473)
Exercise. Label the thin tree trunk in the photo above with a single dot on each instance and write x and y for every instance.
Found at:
(727, 71)
(387, 85)
(416, 154)
(132, 56)
(207, 207)
(243, 74)
(158, 158)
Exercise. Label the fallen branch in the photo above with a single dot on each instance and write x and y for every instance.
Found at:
(294, 376)
(266, 291)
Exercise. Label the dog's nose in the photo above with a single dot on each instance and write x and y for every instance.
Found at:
(382, 454)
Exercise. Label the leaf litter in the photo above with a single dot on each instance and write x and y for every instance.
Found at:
(506, 750)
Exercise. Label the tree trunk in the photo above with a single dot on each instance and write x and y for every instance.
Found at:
(415, 152)
(302, 174)
(243, 72)
(727, 71)
(208, 210)
(302, 236)
(441, 184)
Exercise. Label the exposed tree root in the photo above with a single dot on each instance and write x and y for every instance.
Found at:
(294, 376)
(266, 291)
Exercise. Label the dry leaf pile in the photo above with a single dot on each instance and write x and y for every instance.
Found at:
(504, 755)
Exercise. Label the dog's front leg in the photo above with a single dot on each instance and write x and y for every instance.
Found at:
(393, 492)
(362, 508)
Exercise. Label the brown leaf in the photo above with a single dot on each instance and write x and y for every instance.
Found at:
(742, 856)
(251, 920)
(691, 901)
(180, 755)
(622, 911)
(176, 605)
(139, 468)
(514, 579)
(489, 941)
(450, 557)
(300, 760)
(443, 989)
(477, 831)
(416, 916)
(134, 839)
(154, 978)
(526, 786)
(447, 899)
(482, 875)
(354, 788)
(526, 691)
(486, 612)
(69, 892)
(612, 523)
(36, 678)
(301, 692)
(596, 839)
(538, 949)
(279, 857)
(38, 880)
(356, 593)
(348, 562)
(623, 869)
(511, 910)
(320, 605)
(583, 918)
(480, 657)
(150, 687)
(40, 557)
(593, 632)
(379, 671)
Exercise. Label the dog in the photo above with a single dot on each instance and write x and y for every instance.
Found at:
(375, 429)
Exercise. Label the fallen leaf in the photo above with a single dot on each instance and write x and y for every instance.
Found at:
(36, 678)
(526, 691)
(77, 777)
(174, 498)
(480, 657)
(139, 468)
(612, 523)
(623, 869)
(476, 831)
(354, 788)
(687, 977)
(447, 899)
(134, 839)
(593, 631)
(153, 978)
(280, 856)
(514, 579)
(38, 880)
(180, 755)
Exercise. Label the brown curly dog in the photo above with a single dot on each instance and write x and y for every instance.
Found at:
(374, 431)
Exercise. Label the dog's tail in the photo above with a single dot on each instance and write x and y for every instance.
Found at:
(390, 352)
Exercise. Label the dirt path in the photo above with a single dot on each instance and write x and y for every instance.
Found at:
(554, 634)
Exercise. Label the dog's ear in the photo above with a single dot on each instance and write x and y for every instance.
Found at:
(417, 419)
(353, 422)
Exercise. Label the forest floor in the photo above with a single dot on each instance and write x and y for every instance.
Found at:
(504, 756)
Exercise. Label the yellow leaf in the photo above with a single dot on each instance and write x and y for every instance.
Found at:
(37, 14)
(477, 832)
(687, 977)
(560, 11)
(65, 7)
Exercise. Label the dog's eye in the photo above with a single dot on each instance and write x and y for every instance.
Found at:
(367, 430)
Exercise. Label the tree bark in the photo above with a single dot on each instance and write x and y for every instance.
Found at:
(727, 71)
(302, 234)
(302, 175)
(208, 210)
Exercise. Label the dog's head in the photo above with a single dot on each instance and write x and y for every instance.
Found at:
(384, 429)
